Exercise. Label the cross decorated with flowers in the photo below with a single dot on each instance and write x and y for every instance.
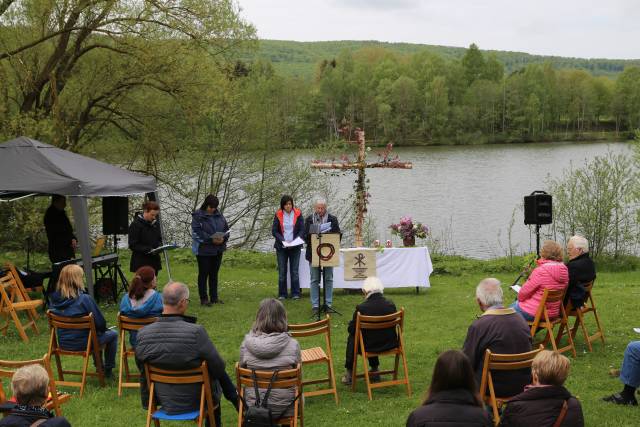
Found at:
(385, 160)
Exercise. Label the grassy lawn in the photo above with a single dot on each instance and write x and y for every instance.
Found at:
(436, 320)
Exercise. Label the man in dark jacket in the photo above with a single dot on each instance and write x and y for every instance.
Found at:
(581, 268)
(175, 341)
(317, 218)
(144, 236)
(374, 340)
(501, 330)
(62, 242)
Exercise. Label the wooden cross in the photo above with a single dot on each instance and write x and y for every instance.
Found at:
(360, 165)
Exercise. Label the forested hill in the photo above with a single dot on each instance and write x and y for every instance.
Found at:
(301, 58)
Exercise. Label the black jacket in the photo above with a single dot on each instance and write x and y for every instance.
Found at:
(143, 237)
(540, 407)
(59, 234)
(450, 408)
(176, 342)
(24, 416)
(582, 270)
(376, 339)
(335, 228)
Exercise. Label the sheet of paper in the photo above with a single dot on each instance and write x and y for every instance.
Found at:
(325, 227)
(295, 242)
(516, 288)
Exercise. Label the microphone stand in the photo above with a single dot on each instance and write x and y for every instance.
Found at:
(324, 308)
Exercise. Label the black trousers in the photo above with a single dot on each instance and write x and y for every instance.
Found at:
(348, 360)
(208, 267)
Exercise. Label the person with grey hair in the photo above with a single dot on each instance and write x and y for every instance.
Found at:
(268, 346)
(375, 304)
(30, 387)
(327, 223)
(501, 330)
(581, 268)
(175, 341)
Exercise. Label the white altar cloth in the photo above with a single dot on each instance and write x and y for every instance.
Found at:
(396, 267)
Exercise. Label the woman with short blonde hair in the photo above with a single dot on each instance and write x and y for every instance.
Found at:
(550, 368)
(70, 300)
(552, 250)
(30, 387)
(545, 401)
(550, 274)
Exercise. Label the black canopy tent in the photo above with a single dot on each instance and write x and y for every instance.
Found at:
(29, 167)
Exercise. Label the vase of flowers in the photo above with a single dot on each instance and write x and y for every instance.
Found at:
(408, 230)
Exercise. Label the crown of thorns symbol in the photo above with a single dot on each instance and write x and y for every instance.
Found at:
(321, 246)
(360, 260)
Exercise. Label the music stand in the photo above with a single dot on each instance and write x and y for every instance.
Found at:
(324, 259)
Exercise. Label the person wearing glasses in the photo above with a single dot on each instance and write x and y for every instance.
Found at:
(175, 341)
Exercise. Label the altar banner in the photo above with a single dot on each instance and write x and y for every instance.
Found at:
(396, 267)
(359, 264)
(325, 251)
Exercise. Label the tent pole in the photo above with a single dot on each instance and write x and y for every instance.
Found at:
(81, 221)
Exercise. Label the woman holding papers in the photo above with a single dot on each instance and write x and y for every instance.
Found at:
(144, 236)
(210, 232)
(288, 230)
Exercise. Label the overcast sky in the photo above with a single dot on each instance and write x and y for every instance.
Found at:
(579, 28)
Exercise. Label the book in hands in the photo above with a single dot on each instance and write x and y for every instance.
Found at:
(166, 247)
(219, 235)
(295, 242)
(516, 288)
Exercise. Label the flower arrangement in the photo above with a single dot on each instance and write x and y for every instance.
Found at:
(407, 229)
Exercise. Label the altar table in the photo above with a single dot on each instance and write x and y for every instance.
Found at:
(395, 267)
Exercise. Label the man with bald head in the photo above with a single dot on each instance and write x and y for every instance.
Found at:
(501, 330)
(175, 341)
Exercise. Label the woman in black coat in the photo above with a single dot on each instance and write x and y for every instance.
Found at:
(145, 235)
(541, 403)
(452, 399)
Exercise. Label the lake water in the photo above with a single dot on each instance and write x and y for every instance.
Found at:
(467, 194)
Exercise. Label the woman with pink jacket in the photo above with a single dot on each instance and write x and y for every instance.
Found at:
(552, 274)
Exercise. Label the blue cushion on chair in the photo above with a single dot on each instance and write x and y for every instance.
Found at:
(160, 414)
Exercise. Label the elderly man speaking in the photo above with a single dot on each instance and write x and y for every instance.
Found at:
(327, 223)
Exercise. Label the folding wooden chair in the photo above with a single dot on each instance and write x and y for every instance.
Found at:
(317, 355)
(11, 267)
(93, 348)
(588, 307)
(290, 378)
(501, 362)
(128, 324)
(543, 321)
(56, 399)
(199, 375)
(13, 299)
(392, 321)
